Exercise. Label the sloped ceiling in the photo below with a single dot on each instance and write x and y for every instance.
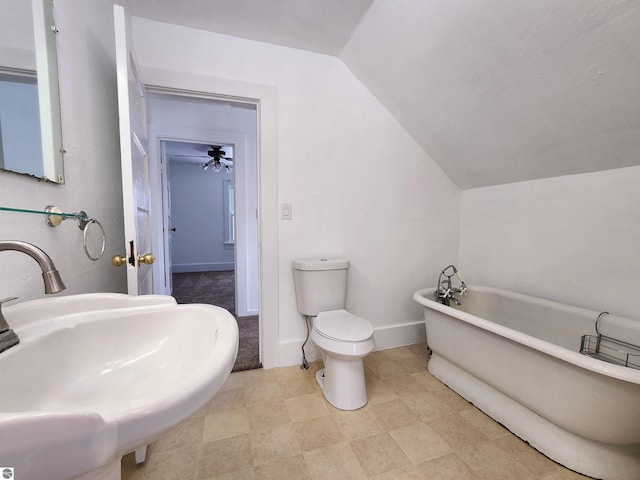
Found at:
(499, 91)
(322, 26)
(496, 91)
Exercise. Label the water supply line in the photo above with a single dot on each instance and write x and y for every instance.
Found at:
(305, 364)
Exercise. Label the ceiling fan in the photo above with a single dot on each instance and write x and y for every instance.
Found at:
(217, 159)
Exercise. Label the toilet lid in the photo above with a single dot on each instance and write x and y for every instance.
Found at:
(343, 326)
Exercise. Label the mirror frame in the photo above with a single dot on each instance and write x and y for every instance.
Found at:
(45, 33)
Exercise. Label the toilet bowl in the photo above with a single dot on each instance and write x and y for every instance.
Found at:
(344, 339)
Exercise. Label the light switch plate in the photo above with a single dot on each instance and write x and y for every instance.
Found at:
(285, 211)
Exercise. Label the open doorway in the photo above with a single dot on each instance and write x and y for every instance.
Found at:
(201, 223)
(209, 214)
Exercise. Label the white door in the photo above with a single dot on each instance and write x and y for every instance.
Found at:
(135, 163)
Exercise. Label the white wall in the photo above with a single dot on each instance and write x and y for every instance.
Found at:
(574, 239)
(92, 165)
(197, 214)
(359, 185)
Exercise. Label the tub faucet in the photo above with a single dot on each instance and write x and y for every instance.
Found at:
(446, 292)
(52, 284)
(453, 299)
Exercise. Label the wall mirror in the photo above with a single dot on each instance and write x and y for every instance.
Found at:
(30, 128)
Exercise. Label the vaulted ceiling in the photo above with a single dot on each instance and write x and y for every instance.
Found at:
(496, 91)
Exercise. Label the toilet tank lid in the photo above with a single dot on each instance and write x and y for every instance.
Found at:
(321, 263)
(343, 326)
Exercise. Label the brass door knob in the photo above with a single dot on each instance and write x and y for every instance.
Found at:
(147, 259)
(118, 260)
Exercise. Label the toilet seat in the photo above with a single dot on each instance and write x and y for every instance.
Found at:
(342, 326)
(343, 334)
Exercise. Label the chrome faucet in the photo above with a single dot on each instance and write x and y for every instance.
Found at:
(446, 292)
(52, 284)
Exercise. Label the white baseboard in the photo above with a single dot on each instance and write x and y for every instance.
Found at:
(290, 352)
(389, 336)
(202, 267)
(392, 336)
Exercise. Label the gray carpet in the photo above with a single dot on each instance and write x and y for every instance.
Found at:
(218, 288)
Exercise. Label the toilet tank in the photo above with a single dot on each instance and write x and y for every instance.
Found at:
(321, 284)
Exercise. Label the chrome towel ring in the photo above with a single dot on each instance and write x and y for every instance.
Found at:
(84, 222)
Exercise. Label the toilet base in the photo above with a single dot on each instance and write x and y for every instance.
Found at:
(342, 383)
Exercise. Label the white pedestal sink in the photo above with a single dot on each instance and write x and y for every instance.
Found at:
(97, 376)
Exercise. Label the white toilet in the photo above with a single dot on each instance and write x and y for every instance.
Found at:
(343, 338)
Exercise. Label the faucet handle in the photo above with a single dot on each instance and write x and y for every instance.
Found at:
(3, 323)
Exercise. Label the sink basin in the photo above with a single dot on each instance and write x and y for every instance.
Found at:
(97, 376)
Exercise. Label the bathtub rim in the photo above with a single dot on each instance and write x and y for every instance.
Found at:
(574, 357)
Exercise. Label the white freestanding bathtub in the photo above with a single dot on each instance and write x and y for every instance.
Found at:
(517, 358)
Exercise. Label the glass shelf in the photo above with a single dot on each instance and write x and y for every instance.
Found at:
(80, 215)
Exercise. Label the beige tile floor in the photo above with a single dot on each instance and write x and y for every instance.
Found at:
(275, 424)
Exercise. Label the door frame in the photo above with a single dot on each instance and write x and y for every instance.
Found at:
(243, 265)
(264, 98)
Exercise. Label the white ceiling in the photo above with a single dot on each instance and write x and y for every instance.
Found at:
(188, 152)
(322, 26)
(496, 91)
